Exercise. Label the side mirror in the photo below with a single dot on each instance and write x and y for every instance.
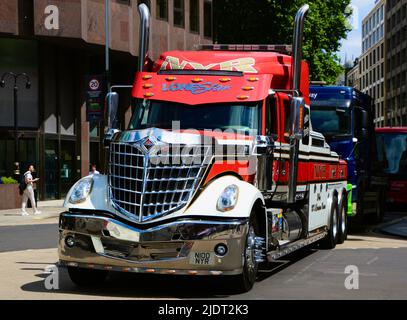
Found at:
(297, 120)
(111, 107)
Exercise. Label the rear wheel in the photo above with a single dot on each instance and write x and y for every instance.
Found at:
(343, 221)
(87, 277)
(331, 239)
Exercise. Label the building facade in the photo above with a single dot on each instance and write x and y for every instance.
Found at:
(352, 78)
(396, 62)
(59, 44)
(372, 66)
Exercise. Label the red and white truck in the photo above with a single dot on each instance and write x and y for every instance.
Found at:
(219, 170)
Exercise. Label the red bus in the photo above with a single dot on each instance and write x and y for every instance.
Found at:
(392, 156)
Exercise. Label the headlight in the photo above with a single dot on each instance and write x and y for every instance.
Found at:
(81, 190)
(228, 198)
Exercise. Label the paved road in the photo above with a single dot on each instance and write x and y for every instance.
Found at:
(309, 274)
(24, 237)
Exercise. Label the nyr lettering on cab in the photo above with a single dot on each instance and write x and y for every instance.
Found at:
(195, 88)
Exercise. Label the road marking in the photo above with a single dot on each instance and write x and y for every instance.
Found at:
(372, 260)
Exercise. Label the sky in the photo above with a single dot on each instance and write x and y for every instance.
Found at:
(352, 46)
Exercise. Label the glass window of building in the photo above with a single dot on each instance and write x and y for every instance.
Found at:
(179, 18)
(208, 19)
(162, 9)
(194, 16)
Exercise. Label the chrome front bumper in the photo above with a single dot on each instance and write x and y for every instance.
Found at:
(170, 248)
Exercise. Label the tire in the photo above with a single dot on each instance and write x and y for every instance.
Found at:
(87, 277)
(244, 282)
(343, 221)
(331, 239)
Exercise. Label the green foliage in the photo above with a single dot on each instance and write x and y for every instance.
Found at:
(271, 21)
(9, 180)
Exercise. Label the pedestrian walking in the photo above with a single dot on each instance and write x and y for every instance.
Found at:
(94, 170)
(28, 192)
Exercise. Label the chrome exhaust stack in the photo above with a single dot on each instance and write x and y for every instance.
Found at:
(297, 103)
(144, 13)
(297, 46)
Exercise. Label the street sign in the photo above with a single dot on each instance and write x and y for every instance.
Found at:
(95, 97)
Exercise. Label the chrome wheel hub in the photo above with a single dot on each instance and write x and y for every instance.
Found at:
(255, 248)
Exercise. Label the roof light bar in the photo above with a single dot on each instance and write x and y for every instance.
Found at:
(282, 48)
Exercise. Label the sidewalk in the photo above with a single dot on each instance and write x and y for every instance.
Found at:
(397, 228)
(50, 211)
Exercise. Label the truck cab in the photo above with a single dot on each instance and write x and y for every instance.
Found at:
(345, 116)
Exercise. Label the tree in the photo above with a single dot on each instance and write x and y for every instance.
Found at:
(271, 21)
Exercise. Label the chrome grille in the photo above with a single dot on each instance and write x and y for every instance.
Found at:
(145, 185)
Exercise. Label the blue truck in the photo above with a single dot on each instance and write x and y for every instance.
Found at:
(346, 118)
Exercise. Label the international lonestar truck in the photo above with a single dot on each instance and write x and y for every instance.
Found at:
(345, 117)
(219, 170)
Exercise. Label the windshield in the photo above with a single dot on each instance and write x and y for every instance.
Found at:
(392, 152)
(333, 121)
(244, 118)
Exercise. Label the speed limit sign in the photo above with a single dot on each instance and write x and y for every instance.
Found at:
(94, 84)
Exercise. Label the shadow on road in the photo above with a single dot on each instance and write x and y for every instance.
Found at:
(128, 285)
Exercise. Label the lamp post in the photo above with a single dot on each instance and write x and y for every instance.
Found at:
(15, 76)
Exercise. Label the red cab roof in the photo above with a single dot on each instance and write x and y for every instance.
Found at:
(261, 71)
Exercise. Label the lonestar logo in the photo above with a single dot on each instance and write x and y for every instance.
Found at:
(195, 88)
(242, 64)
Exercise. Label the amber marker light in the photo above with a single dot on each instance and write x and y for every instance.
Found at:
(225, 79)
(146, 77)
(242, 97)
(300, 124)
(148, 94)
(171, 78)
(197, 80)
(253, 79)
(147, 86)
(248, 88)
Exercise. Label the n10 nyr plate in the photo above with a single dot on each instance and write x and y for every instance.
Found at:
(203, 258)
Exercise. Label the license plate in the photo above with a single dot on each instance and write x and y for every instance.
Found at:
(203, 258)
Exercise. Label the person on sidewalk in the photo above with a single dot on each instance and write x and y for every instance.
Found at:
(94, 170)
(29, 192)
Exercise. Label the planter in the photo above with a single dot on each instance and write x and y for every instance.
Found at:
(9, 196)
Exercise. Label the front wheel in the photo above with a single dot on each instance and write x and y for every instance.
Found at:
(87, 277)
(244, 282)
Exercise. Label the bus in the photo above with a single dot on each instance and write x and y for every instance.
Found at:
(392, 155)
